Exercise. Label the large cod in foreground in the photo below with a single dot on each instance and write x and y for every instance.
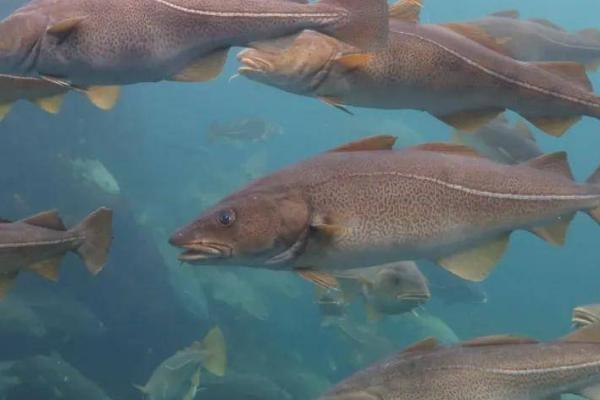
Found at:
(488, 368)
(366, 204)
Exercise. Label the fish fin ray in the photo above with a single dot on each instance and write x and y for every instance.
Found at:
(214, 344)
(555, 126)
(380, 142)
(47, 219)
(475, 264)
(319, 278)
(448, 148)
(496, 340)
(97, 230)
(428, 344)
(50, 104)
(556, 163)
(49, 269)
(506, 14)
(204, 69)
(103, 97)
(478, 35)
(469, 121)
(555, 233)
(406, 10)
(570, 71)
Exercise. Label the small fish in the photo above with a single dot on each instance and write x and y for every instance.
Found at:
(53, 378)
(485, 368)
(586, 315)
(365, 204)
(502, 142)
(455, 72)
(40, 242)
(47, 95)
(177, 377)
(541, 40)
(244, 130)
(83, 42)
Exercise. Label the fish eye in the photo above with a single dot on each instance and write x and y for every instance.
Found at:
(226, 217)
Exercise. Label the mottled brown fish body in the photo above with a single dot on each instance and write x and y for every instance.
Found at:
(532, 371)
(536, 41)
(352, 209)
(89, 42)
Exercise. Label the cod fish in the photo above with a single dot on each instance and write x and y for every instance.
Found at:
(47, 95)
(389, 289)
(541, 40)
(244, 130)
(111, 42)
(586, 315)
(486, 368)
(40, 242)
(501, 141)
(178, 377)
(452, 71)
(365, 204)
(51, 377)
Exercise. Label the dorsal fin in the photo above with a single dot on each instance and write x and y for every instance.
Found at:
(477, 34)
(570, 71)
(587, 334)
(47, 219)
(448, 148)
(406, 10)
(497, 340)
(523, 130)
(553, 162)
(380, 142)
(428, 344)
(506, 14)
(546, 23)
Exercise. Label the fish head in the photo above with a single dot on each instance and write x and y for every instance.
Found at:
(20, 38)
(299, 64)
(586, 315)
(249, 228)
(400, 287)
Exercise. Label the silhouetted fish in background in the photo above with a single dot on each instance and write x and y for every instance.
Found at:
(40, 242)
(90, 42)
(541, 40)
(486, 368)
(243, 130)
(452, 71)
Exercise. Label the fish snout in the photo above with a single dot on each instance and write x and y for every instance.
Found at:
(198, 250)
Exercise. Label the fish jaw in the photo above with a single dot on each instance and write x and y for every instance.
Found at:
(199, 252)
(586, 315)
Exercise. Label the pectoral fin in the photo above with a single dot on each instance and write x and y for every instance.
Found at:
(556, 233)
(476, 264)
(381, 142)
(4, 110)
(65, 27)
(103, 97)
(354, 61)
(205, 68)
(555, 126)
(50, 104)
(319, 278)
(469, 121)
(49, 269)
(7, 281)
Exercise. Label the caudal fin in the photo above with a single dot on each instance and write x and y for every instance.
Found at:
(215, 359)
(594, 179)
(367, 24)
(97, 230)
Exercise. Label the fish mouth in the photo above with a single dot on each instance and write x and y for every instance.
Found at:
(422, 297)
(252, 62)
(581, 317)
(201, 251)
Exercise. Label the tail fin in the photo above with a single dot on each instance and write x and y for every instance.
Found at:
(367, 24)
(97, 230)
(215, 360)
(594, 179)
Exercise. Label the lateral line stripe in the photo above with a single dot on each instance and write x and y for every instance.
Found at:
(504, 77)
(42, 243)
(506, 371)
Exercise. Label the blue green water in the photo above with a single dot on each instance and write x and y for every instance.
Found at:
(153, 144)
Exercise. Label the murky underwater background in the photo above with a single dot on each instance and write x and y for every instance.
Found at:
(150, 160)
